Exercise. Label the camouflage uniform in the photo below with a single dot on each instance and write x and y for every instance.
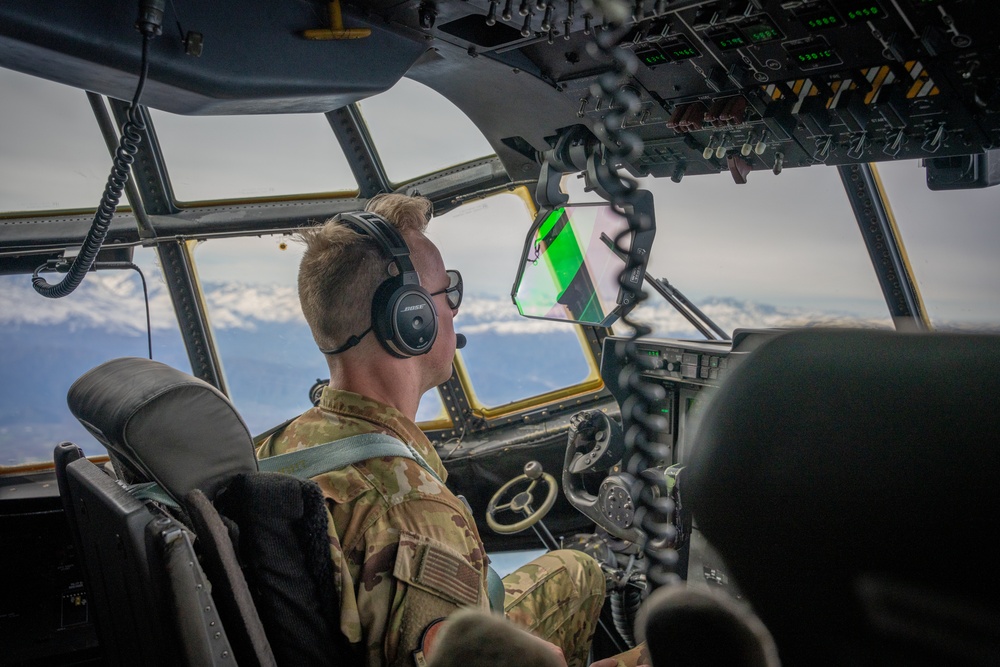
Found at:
(406, 551)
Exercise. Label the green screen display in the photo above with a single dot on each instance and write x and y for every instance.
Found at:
(761, 31)
(862, 11)
(814, 57)
(820, 19)
(728, 40)
(652, 57)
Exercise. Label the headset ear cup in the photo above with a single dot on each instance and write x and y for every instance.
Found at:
(404, 318)
(415, 319)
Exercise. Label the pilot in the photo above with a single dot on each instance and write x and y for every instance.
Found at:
(406, 550)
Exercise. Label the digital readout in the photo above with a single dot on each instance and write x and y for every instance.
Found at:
(760, 32)
(680, 49)
(864, 12)
(814, 57)
(821, 19)
(652, 57)
(728, 40)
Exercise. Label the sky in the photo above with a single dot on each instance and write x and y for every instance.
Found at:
(787, 240)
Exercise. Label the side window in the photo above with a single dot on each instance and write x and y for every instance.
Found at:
(508, 358)
(268, 353)
(950, 238)
(46, 344)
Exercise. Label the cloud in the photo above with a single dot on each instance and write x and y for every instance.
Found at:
(113, 301)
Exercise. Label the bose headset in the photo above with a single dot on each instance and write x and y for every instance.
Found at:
(404, 318)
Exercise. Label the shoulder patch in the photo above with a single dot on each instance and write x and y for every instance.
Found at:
(438, 569)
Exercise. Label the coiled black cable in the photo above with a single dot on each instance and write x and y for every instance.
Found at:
(128, 147)
(624, 608)
(642, 426)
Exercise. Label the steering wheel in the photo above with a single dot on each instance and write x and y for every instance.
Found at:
(523, 501)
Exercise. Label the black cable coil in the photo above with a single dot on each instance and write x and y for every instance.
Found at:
(128, 147)
(641, 425)
(624, 608)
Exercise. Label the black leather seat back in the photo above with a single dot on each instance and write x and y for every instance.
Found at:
(162, 425)
(850, 480)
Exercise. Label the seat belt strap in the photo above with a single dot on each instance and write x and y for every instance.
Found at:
(318, 459)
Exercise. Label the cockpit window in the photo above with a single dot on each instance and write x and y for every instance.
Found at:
(46, 344)
(777, 251)
(950, 238)
(418, 131)
(270, 359)
(250, 157)
(508, 358)
(52, 155)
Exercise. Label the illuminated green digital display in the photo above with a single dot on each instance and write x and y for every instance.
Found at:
(728, 40)
(680, 49)
(863, 12)
(761, 31)
(652, 353)
(652, 57)
(820, 19)
(814, 57)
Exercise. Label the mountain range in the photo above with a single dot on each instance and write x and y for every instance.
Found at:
(268, 354)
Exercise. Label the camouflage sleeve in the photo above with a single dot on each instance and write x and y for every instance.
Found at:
(423, 561)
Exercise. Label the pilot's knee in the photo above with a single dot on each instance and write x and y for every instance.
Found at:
(584, 570)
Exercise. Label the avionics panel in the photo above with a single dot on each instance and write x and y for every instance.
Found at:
(684, 368)
(687, 371)
(755, 85)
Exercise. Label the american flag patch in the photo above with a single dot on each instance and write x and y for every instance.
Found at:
(447, 573)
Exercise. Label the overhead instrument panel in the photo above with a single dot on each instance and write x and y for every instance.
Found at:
(750, 85)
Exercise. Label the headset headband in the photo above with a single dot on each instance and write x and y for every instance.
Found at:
(387, 237)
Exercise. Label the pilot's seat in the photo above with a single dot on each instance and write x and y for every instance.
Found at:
(185, 465)
(850, 481)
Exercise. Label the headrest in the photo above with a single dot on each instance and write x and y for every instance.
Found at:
(848, 478)
(163, 425)
(689, 626)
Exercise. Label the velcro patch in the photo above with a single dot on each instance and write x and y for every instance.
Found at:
(448, 573)
(439, 570)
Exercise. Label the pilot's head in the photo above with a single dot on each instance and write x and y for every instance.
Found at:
(343, 266)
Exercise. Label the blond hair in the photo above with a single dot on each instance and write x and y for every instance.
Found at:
(341, 268)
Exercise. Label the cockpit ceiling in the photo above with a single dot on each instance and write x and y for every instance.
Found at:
(737, 85)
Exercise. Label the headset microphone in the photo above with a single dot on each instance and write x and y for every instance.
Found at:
(460, 341)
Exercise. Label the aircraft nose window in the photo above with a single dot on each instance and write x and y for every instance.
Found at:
(798, 264)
